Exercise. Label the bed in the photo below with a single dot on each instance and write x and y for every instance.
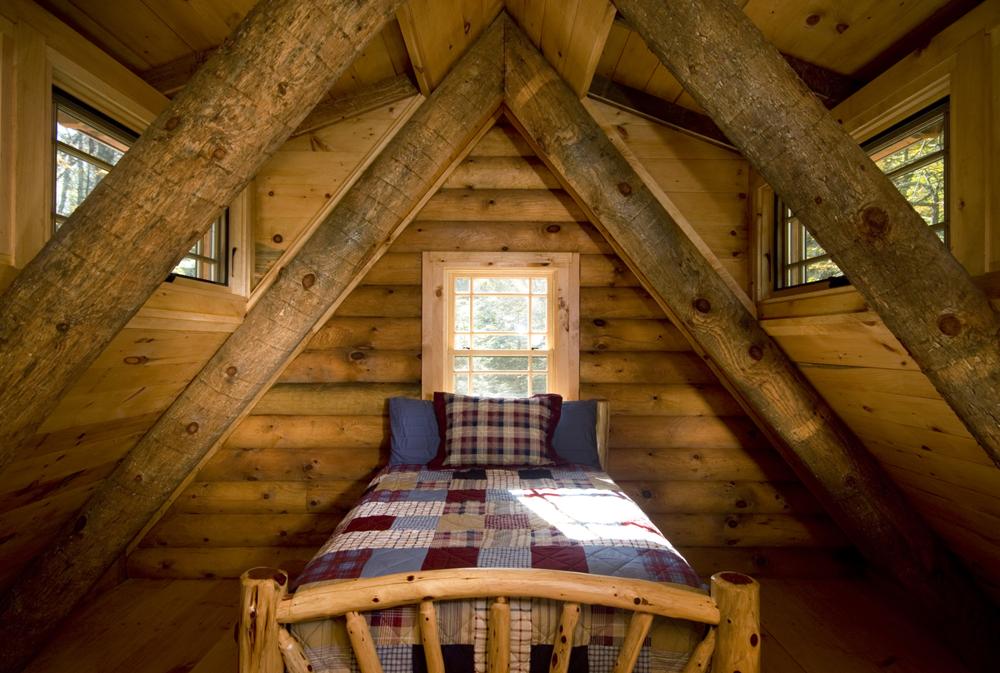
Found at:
(497, 568)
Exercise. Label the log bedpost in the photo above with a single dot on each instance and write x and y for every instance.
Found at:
(261, 589)
(351, 238)
(116, 248)
(818, 445)
(737, 645)
(892, 257)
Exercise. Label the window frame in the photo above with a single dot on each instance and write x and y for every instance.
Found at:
(563, 270)
(778, 219)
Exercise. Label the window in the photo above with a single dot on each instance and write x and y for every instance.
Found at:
(87, 146)
(501, 325)
(914, 155)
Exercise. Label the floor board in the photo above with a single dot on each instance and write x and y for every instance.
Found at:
(164, 626)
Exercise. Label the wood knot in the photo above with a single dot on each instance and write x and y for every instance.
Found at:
(277, 238)
(949, 324)
(137, 478)
(754, 640)
(192, 428)
(553, 228)
(755, 352)
(842, 28)
(813, 19)
(231, 371)
(818, 200)
(732, 523)
(308, 280)
(136, 360)
(282, 88)
(625, 188)
(876, 221)
(172, 123)
(702, 305)
(466, 27)
(219, 154)
(357, 356)
(62, 327)
(600, 322)
(646, 493)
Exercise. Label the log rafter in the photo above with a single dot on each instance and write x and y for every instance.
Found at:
(820, 447)
(921, 292)
(352, 237)
(116, 248)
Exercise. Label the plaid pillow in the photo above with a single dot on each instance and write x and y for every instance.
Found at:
(496, 432)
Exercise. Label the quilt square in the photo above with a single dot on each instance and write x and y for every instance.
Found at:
(415, 523)
(450, 557)
(389, 561)
(466, 495)
(500, 537)
(559, 558)
(344, 564)
(469, 475)
(504, 557)
(534, 473)
(457, 538)
(459, 522)
(507, 521)
(478, 508)
(370, 523)
(425, 495)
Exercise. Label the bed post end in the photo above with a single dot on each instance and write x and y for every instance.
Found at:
(261, 589)
(737, 645)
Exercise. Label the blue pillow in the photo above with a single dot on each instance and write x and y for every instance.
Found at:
(575, 440)
(414, 431)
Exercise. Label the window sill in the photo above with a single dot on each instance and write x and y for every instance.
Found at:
(797, 302)
(191, 305)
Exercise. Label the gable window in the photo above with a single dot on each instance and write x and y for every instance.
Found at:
(87, 145)
(914, 155)
(502, 325)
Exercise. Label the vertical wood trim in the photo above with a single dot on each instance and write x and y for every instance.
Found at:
(241, 263)
(498, 637)
(993, 235)
(432, 362)
(603, 431)
(638, 627)
(261, 589)
(563, 645)
(7, 155)
(430, 638)
(404, 15)
(32, 144)
(362, 643)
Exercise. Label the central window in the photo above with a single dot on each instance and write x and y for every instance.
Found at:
(501, 325)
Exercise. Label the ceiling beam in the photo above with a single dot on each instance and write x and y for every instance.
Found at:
(348, 242)
(169, 78)
(81, 289)
(659, 110)
(893, 258)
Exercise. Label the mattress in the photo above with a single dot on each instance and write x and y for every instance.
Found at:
(563, 518)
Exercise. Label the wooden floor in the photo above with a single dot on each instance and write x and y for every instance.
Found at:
(161, 626)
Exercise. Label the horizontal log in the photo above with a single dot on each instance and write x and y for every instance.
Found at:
(242, 530)
(619, 302)
(749, 530)
(651, 367)
(783, 562)
(395, 268)
(502, 141)
(367, 333)
(384, 301)
(662, 496)
(501, 205)
(711, 464)
(212, 562)
(294, 464)
(356, 365)
(304, 432)
(627, 334)
(518, 236)
(628, 399)
(332, 399)
(676, 432)
(483, 173)
(270, 497)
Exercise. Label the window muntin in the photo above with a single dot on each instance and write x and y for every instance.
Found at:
(500, 334)
(914, 155)
(87, 146)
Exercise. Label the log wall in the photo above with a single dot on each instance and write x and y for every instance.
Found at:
(679, 443)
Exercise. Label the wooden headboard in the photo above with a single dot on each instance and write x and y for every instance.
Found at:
(603, 418)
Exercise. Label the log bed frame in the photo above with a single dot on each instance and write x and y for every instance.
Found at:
(731, 612)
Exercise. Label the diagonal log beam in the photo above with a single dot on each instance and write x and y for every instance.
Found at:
(819, 446)
(352, 237)
(919, 290)
(114, 251)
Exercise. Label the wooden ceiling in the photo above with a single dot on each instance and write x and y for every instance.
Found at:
(158, 38)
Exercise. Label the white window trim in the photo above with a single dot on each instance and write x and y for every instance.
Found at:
(565, 267)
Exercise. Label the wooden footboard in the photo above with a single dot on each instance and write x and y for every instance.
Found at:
(266, 645)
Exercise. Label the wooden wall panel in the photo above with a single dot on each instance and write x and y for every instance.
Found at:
(679, 443)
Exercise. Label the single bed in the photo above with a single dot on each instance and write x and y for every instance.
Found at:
(509, 568)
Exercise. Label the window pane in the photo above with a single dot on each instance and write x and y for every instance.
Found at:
(539, 363)
(820, 271)
(539, 313)
(75, 179)
(911, 147)
(924, 189)
(462, 285)
(506, 285)
(500, 314)
(499, 342)
(500, 385)
(187, 267)
(812, 246)
(461, 384)
(539, 385)
(539, 286)
(539, 342)
(461, 364)
(87, 138)
(499, 363)
(462, 314)
(462, 341)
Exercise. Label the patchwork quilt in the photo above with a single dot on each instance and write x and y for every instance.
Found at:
(563, 518)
